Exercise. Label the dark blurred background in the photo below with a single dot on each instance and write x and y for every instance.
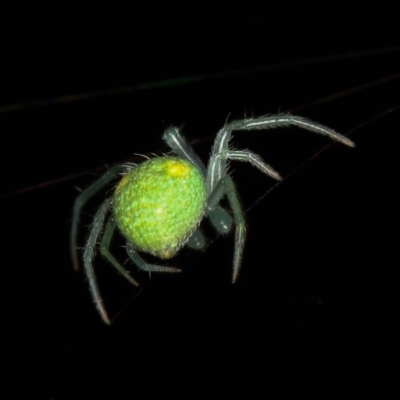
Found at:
(80, 94)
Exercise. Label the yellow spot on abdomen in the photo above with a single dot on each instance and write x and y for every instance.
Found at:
(177, 168)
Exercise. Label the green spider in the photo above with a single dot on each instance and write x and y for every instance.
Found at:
(159, 204)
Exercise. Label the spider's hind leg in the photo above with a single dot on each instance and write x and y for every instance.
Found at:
(145, 266)
(105, 251)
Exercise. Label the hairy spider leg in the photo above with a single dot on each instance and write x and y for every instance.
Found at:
(82, 199)
(89, 251)
(145, 266)
(225, 186)
(220, 152)
(88, 254)
(105, 251)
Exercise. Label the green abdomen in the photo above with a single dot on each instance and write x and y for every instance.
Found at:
(159, 203)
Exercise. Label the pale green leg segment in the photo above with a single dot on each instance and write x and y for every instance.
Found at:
(88, 254)
(217, 164)
(225, 186)
(105, 251)
(145, 266)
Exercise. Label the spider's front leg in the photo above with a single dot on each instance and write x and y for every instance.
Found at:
(221, 152)
(88, 255)
(89, 252)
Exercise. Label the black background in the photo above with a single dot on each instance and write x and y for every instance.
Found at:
(315, 288)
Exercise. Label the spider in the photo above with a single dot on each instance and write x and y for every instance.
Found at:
(159, 204)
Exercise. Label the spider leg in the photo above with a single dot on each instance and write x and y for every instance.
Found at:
(225, 186)
(254, 159)
(81, 200)
(217, 165)
(88, 255)
(181, 148)
(219, 218)
(105, 251)
(142, 264)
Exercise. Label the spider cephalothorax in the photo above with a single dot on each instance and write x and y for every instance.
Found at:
(159, 204)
